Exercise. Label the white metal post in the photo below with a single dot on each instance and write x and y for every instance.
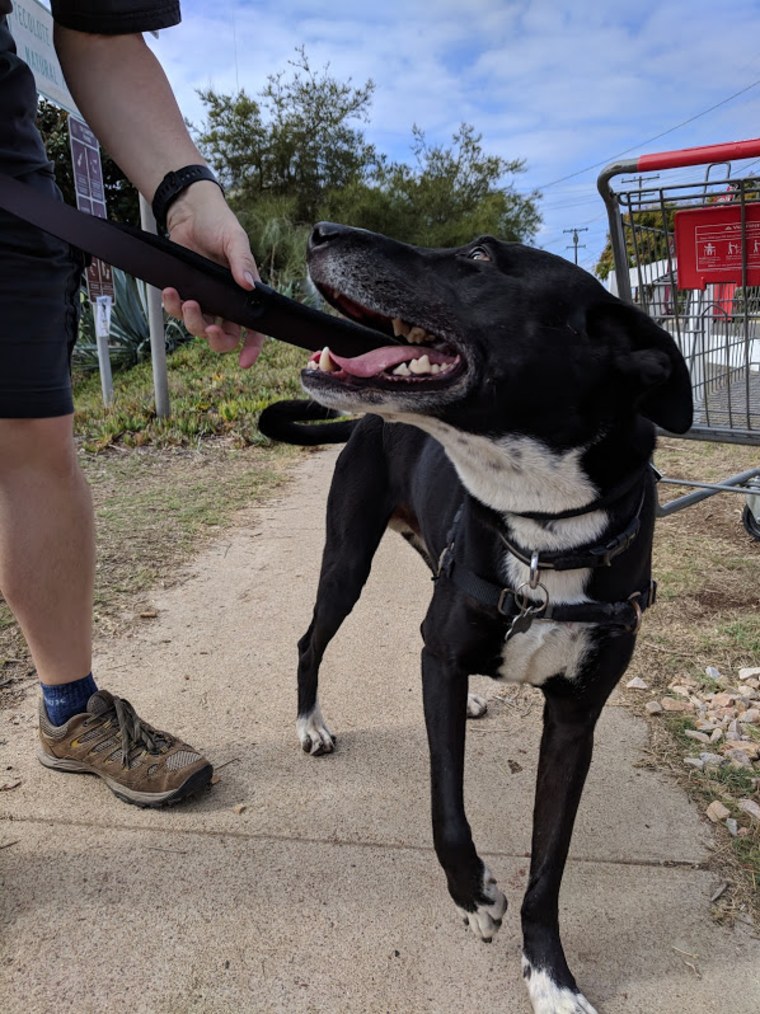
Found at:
(156, 325)
(102, 314)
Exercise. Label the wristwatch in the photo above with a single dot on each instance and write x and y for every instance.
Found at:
(174, 184)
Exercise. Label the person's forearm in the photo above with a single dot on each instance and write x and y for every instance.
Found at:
(123, 93)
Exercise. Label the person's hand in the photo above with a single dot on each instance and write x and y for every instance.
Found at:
(201, 220)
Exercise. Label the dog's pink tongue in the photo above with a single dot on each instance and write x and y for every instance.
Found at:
(374, 362)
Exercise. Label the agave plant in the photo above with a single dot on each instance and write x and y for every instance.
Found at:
(129, 338)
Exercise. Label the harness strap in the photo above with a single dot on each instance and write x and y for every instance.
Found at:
(506, 601)
(590, 555)
(511, 603)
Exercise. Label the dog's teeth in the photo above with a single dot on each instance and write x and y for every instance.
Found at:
(325, 362)
(421, 365)
(311, 365)
(435, 368)
(402, 370)
(400, 329)
(417, 335)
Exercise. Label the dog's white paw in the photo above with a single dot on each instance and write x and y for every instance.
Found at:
(547, 997)
(477, 706)
(313, 733)
(485, 921)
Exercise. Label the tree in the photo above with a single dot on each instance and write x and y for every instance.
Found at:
(648, 233)
(297, 153)
(296, 141)
(121, 196)
(235, 141)
(455, 193)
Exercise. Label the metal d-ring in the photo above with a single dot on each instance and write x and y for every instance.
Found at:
(535, 575)
(527, 605)
(637, 611)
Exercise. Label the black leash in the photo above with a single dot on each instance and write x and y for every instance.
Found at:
(164, 264)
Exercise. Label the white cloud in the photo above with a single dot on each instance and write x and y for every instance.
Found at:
(561, 84)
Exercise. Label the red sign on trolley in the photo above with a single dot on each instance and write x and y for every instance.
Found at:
(712, 244)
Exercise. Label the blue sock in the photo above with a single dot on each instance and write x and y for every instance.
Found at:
(61, 702)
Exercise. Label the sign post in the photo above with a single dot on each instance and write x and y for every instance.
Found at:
(103, 305)
(91, 197)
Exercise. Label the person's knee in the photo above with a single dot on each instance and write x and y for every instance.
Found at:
(46, 445)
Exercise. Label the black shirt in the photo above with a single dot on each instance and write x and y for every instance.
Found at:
(21, 148)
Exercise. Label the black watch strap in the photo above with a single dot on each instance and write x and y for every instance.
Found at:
(172, 185)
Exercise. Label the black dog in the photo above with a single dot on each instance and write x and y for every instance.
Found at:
(521, 474)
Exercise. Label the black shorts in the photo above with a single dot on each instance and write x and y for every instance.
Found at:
(40, 278)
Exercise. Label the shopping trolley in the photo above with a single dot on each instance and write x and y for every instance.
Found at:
(685, 239)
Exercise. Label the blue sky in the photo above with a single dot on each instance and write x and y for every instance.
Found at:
(566, 85)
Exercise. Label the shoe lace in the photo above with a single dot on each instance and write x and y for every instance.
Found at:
(136, 734)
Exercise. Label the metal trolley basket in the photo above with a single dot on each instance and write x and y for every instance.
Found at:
(685, 237)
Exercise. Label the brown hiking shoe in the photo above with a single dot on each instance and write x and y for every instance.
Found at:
(138, 763)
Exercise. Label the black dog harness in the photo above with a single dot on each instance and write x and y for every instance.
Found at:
(520, 610)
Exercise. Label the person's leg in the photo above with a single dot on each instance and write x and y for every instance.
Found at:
(46, 536)
(47, 554)
(46, 576)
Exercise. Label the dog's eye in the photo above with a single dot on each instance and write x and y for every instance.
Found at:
(479, 253)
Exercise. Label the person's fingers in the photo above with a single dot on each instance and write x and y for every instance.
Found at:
(220, 340)
(193, 317)
(221, 335)
(240, 259)
(171, 302)
(252, 345)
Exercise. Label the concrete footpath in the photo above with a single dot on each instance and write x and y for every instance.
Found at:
(306, 884)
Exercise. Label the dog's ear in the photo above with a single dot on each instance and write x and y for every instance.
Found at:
(649, 360)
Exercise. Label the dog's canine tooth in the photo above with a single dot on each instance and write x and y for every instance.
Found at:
(421, 365)
(400, 328)
(402, 370)
(325, 362)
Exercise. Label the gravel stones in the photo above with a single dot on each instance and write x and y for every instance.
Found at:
(725, 721)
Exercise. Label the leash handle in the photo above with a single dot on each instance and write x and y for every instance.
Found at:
(164, 264)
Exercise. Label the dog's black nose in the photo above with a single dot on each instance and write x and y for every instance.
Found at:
(323, 232)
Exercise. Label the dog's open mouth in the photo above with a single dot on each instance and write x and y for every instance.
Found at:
(418, 358)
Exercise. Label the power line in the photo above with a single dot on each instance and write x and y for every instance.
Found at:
(641, 144)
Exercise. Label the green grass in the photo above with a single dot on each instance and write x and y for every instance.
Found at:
(210, 396)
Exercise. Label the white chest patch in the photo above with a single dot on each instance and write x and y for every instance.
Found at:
(544, 650)
(515, 474)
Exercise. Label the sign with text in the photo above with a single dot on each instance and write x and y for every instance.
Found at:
(714, 243)
(91, 197)
(32, 28)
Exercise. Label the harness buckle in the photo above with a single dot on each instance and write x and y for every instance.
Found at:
(502, 599)
(445, 561)
(638, 612)
(607, 553)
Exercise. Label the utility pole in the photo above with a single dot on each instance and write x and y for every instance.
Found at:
(640, 179)
(575, 241)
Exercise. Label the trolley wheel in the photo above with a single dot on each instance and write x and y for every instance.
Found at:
(751, 523)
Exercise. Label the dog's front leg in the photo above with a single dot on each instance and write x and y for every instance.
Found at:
(470, 882)
(565, 756)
